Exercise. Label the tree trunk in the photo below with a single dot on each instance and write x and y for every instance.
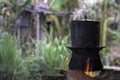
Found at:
(36, 22)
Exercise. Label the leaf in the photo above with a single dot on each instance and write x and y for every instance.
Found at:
(52, 55)
(114, 34)
(10, 58)
(7, 2)
(26, 3)
(57, 4)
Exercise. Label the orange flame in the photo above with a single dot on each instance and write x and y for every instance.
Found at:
(88, 69)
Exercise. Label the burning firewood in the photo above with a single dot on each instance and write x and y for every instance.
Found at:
(81, 75)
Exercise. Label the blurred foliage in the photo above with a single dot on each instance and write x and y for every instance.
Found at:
(14, 66)
(59, 5)
(33, 66)
(11, 64)
(26, 3)
(53, 54)
(57, 25)
(45, 55)
(10, 10)
(115, 35)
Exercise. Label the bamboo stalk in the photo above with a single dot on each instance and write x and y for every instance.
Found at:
(57, 25)
(104, 25)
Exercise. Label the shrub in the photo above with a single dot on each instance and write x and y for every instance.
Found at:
(11, 65)
(53, 54)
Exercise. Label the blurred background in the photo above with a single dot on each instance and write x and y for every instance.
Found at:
(35, 34)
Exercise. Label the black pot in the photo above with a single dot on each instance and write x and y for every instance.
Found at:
(85, 34)
(85, 37)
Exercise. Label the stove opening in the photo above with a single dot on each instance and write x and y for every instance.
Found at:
(88, 71)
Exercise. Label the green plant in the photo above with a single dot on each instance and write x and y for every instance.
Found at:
(11, 64)
(114, 34)
(59, 5)
(53, 54)
(33, 66)
(11, 10)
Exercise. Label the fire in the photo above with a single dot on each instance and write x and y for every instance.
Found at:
(89, 71)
